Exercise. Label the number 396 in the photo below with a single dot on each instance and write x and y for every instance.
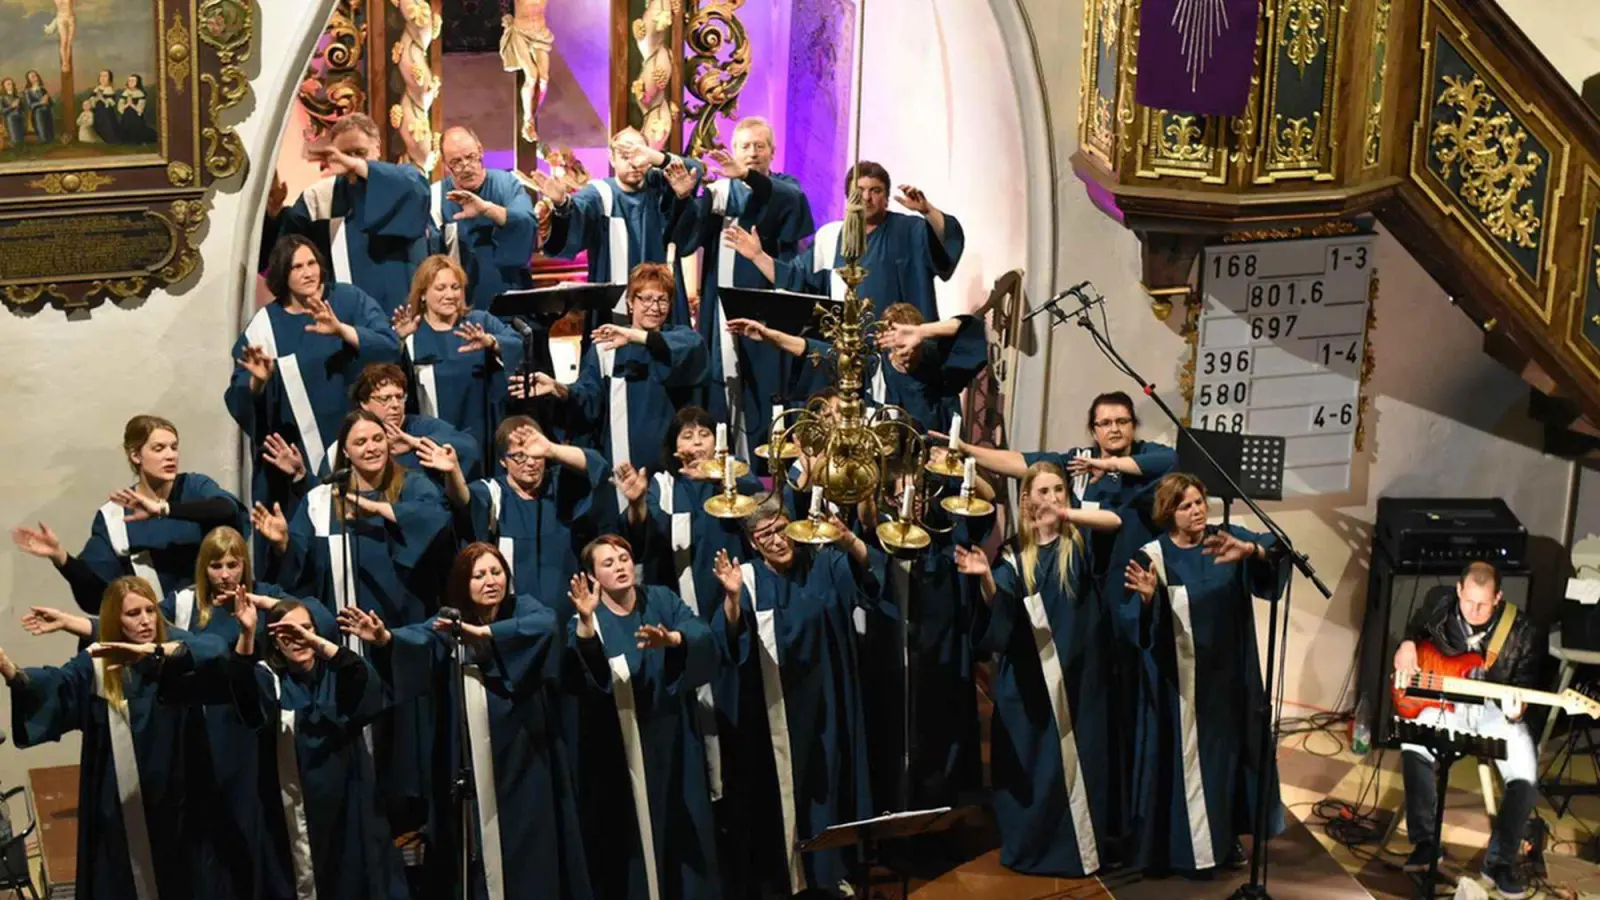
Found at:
(1224, 362)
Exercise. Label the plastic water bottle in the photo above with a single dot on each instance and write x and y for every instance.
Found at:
(1360, 732)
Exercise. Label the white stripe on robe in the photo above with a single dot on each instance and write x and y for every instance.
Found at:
(427, 382)
(726, 350)
(476, 699)
(130, 791)
(633, 749)
(291, 796)
(448, 231)
(259, 333)
(508, 546)
(319, 203)
(616, 241)
(319, 508)
(117, 532)
(618, 409)
(825, 255)
(183, 608)
(778, 726)
(1194, 788)
(682, 558)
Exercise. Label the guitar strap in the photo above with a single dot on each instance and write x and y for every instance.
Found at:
(1502, 630)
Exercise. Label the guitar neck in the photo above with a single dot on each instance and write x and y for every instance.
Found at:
(1489, 689)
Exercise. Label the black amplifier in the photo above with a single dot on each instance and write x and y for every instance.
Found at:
(1440, 533)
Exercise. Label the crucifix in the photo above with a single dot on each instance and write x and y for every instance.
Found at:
(65, 27)
(525, 44)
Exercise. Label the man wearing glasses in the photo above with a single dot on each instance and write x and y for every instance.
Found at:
(483, 218)
(633, 379)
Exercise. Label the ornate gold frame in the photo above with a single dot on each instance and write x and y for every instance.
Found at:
(1588, 273)
(202, 46)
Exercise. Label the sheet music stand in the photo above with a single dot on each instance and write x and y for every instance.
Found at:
(541, 308)
(867, 835)
(787, 311)
(1255, 461)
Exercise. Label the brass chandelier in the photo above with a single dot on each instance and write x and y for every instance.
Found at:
(847, 455)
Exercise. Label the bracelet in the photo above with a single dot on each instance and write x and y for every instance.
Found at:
(166, 509)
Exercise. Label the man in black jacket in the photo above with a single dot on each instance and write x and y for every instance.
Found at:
(1476, 620)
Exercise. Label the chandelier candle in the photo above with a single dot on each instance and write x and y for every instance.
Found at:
(955, 432)
(722, 439)
(816, 502)
(905, 502)
(969, 474)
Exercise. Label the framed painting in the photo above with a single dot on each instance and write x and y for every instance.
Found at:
(112, 126)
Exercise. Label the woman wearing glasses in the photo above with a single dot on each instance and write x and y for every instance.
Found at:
(382, 390)
(483, 219)
(633, 380)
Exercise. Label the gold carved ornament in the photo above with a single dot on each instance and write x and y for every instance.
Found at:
(715, 29)
(1372, 141)
(1301, 33)
(72, 182)
(1369, 362)
(652, 33)
(1296, 143)
(1110, 14)
(1182, 139)
(412, 117)
(1101, 123)
(334, 79)
(180, 174)
(178, 54)
(226, 26)
(1485, 147)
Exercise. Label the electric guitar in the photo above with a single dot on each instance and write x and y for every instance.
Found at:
(1454, 675)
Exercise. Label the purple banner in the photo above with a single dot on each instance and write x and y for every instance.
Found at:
(1196, 56)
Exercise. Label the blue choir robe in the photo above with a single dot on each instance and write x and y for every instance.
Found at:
(142, 847)
(526, 807)
(372, 231)
(542, 537)
(398, 571)
(1050, 745)
(325, 835)
(618, 229)
(796, 762)
(161, 550)
(903, 258)
(627, 398)
(930, 391)
(641, 773)
(469, 453)
(1197, 752)
(466, 390)
(678, 543)
(495, 257)
(309, 392)
(946, 762)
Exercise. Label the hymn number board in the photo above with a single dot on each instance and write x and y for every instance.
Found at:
(1282, 338)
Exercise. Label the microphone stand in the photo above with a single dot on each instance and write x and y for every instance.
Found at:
(463, 787)
(1256, 887)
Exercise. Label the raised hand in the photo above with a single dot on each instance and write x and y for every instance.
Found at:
(746, 243)
(323, 320)
(553, 189)
(900, 336)
(543, 385)
(367, 627)
(277, 197)
(39, 620)
(121, 653)
(612, 337)
(971, 561)
(244, 609)
(337, 161)
(585, 597)
(631, 481)
(399, 441)
(728, 574)
(656, 637)
(724, 165)
(255, 360)
(8, 669)
(271, 524)
(1140, 580)
(1225, 548)
(473, 337)
(293, 634)
(749, 328)
(472, 206)
(680, 178)
(534, 442)
(1086, 465)
(283, 456)
(404, 321)
(913, 199)
(41, 543)
(439, 458)
(138, 506)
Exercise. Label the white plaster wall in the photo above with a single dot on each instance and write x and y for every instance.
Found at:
(1566, 31)
(68, 386)
(1447, 420)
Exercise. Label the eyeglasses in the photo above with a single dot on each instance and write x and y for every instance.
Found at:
(520, 458)
(768, 535)
(464, 163)
(395, 399)
(1120, 423)
(657, 301)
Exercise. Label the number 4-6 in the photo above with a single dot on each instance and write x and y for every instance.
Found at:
(1327, 417)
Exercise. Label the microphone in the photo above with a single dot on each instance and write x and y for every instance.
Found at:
(450, 613)
(1074, 291)
(340, 475)
(522, 327)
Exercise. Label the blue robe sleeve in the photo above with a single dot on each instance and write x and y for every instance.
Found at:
(468, 453)
(379, 343)
(299, 572)
(685, 362)
(97, 558)
(942, 257)
(576, 225)
(694, 224)
(1033, 458)
(1263, 578)
(397, 202)
(510, 342)
(584, 668)
(797, 274)
(246, 407)
(588, 396)
(420, 518)
(951, 363)
(513, 241)
(415, 654)
(528, 646)
(478, 511)
(995, 624)
(50, 701)
(1155, 460)
(798, 225)
(695, 661)
(584, 486)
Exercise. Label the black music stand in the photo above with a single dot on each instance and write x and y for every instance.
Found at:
(1447, 748)
(1253, 461)
(868, 835)
(540, 309)
(787, 311)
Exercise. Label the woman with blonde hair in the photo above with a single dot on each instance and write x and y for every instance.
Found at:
(152, 528)
(141, 846)
(1197, 755)
(457, 355)
(1050, 758)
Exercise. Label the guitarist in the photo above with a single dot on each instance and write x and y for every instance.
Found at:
(1476, 620)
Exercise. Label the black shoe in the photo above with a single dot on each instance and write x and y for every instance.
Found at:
(1237, 859)
(1422, 858)
(1508, 882)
